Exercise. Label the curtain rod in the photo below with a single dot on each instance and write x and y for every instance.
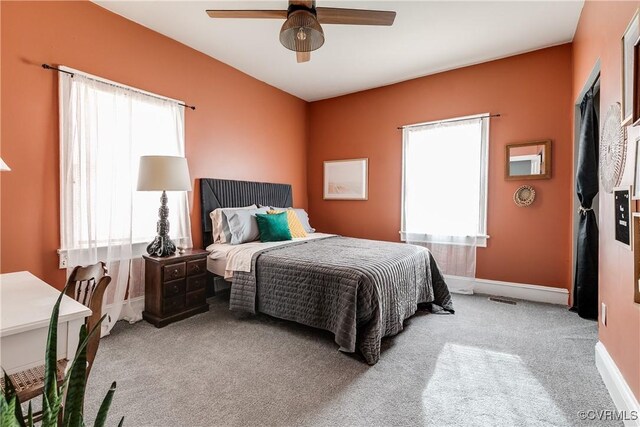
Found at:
(448, 121)
(49, 67)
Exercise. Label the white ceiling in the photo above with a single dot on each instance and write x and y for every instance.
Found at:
(427, 37)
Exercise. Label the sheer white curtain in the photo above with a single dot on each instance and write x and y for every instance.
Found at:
(104, 129)
(444, 191)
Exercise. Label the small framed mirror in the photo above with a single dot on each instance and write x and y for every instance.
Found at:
(528, 160)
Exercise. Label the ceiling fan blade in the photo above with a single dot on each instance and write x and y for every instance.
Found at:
(263, 14)
(303, 56)
(333, 15)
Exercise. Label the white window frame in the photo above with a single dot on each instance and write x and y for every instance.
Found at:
(138, 247)
(480, 239)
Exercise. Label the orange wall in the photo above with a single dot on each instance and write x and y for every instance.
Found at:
(242, 128)
(245, 129)
(532, 94)
(598, 37)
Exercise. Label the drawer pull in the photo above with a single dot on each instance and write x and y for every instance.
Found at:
(174, 271)
(175, 287)
(196, 267)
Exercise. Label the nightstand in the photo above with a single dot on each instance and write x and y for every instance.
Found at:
(175, 287)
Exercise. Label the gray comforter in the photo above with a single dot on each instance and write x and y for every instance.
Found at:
(361, 290)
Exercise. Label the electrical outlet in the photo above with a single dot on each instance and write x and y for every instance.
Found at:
(603, 314)
(62, 260)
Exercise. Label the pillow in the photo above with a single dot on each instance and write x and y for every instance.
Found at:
(273, 227)
(294, 223)
(243, 227)
(302, 216)
(221, 233)
(304, 220)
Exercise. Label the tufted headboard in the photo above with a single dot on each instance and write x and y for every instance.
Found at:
(224, 193)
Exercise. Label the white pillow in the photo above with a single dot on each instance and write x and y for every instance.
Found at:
(243, 225)
(221, 233)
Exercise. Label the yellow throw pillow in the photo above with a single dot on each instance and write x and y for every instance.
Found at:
(297, 230)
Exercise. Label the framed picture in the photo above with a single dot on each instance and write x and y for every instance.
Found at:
(622, 216)
(629, 40)
(636, 172)
(636, 83)
(346, 179)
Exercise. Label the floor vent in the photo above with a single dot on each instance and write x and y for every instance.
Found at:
(502, 300)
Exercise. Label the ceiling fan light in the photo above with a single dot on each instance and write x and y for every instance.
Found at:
(301, 32)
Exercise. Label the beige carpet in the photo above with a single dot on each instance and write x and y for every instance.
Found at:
(489, 364)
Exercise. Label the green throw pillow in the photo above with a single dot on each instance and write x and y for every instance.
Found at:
(273, 227)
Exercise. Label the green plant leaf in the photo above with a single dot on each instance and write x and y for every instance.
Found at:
(101, 418)
(81, 346)
(50, 392)
(73, 379)
(73, 386)
(10, 393)
(67, 387)
(50, 415)
(75, 419)
(8, 412)
(75, 390)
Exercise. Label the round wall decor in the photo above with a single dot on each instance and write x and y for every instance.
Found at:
(524, 196)
(613, 149)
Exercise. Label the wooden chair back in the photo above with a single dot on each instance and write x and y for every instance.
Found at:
(87, 285)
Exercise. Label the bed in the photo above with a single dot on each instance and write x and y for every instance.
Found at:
(360, 290)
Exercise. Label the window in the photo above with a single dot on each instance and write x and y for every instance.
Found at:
(445, 181)
(104, 129)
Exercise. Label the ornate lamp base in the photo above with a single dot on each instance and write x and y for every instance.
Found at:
(162, 245)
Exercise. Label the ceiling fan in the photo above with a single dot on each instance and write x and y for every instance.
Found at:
(301, 31)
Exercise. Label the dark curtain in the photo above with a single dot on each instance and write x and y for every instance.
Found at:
(585, 287)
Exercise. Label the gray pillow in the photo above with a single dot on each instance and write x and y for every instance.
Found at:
(302, 216)
(221, 233)
(304, 220)
(243, 226)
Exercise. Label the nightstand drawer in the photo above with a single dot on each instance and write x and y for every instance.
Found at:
(196, 298)
(196, 267)
(175, 286)
(173, 304)
(174, 271)
(172, 288)
(196, 283)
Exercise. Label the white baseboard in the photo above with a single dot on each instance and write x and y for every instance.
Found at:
(618, 388)
(469, 285)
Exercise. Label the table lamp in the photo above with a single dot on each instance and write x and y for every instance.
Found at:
(163, 173)
(3, 166)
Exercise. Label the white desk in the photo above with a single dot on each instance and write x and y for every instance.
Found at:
(26, 303)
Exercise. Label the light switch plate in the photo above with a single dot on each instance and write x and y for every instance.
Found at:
(603, 314)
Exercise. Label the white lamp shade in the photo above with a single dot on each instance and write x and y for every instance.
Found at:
(163, 173)
(3, 166)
